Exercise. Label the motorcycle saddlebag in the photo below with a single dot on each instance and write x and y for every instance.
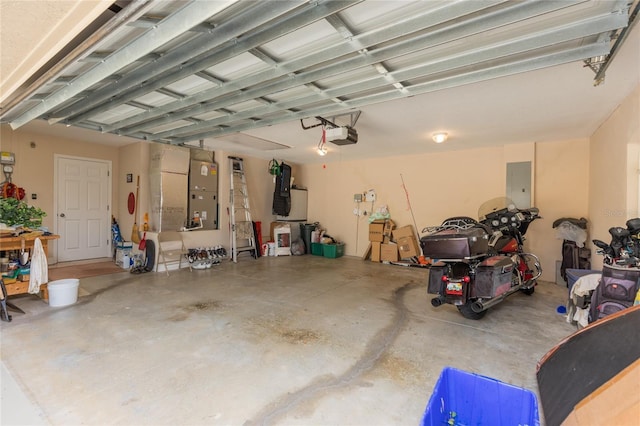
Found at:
(455, 243)
(436, 271)
(493, 277)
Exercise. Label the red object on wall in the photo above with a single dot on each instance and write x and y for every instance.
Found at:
(131, 203)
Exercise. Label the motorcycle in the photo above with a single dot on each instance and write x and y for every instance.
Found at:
(479, 263)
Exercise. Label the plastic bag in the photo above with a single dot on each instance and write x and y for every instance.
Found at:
(297, 247)
(381, 212)
(570, 232)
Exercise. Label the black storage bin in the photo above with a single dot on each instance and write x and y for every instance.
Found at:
(305, 232)
(455, 244)
(493, 277)
(436, 271)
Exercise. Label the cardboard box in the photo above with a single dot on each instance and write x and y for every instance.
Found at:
(389, 252)
(389, 226)
(376, 231)
(402, 232)
(375, 251)
(408, 247)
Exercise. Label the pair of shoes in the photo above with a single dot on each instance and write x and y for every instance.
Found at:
(138, 270)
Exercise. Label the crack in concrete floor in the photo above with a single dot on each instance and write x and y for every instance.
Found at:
(369, 359)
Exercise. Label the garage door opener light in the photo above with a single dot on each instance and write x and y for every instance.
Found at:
(440, 137)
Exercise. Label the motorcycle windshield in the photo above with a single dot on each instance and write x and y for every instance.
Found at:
(494, 205)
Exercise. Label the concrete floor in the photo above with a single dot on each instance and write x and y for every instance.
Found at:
(300, 340)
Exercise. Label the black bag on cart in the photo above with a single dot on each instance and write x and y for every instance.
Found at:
(616, 291)
(574, 257)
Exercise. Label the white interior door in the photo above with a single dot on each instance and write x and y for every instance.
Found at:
(83, 219)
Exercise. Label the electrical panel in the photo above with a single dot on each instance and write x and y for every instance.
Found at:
(7, 158)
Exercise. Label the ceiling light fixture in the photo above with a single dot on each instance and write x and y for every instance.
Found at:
(440, 137)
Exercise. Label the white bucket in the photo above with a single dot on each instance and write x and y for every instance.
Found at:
(272, 248)
(63, 292)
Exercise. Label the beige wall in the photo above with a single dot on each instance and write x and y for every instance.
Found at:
(596, 179)
(34, 168)
(133, 159)
(438, 185)
(260, 187)
(34, 171)
(450, 184)
(561, 177)
(614, 165)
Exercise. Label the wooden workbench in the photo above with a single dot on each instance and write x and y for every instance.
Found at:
(26, 243)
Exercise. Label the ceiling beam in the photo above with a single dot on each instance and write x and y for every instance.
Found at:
(191, 14)
(537, 62)
(450, 11)
(459, 31)
(192, 51)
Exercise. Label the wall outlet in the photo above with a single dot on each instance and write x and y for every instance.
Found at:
(371, 195)
(357, 198)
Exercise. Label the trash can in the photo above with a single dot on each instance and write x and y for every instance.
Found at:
(63, 292)
(305, 232)
(465, 398)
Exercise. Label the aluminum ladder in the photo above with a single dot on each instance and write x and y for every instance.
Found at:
(242, 235)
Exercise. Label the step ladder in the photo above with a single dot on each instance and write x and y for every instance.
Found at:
(242, 235)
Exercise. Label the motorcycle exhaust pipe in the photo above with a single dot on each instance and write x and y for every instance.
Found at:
(479, 306)
(437, 301)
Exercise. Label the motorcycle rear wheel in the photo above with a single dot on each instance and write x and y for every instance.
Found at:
(469, 313)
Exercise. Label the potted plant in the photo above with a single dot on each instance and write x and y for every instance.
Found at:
(14, 212)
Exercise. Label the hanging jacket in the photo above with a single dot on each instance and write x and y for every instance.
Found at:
(281, 196)
(39, 271)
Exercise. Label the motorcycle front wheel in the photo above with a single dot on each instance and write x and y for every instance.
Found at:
(469, 313)
(529, 291)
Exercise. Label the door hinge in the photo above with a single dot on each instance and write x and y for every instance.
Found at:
(108, 173)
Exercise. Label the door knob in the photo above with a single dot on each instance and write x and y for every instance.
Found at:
(62, 215)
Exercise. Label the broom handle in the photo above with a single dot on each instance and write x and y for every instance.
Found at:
(135, 216)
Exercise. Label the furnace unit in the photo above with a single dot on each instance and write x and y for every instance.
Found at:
(203, 194)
